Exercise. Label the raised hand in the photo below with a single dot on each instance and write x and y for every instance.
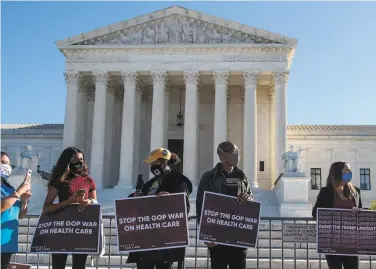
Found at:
(25, 186)
(26, 196)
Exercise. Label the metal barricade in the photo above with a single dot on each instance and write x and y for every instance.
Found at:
(270, 252)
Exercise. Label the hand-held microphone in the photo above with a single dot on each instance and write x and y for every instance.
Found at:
(140, 183)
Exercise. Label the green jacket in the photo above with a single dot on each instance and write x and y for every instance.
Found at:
(211, 182)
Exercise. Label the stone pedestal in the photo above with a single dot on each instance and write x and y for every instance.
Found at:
(291, 192)
(106, 197)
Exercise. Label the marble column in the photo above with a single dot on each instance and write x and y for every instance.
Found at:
(99, 123)
(190, 160)
(72, 79)
(128, 129)
(158, 109)
(272, 170)
(146, 107)
(116, 134)
(250, 126)
(89, 124)
(166, 113)
(109, 130)
(136, 161)
(81, 123)
(220, 111)
(280, 82)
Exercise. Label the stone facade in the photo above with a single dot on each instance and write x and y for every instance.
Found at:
(320, 146)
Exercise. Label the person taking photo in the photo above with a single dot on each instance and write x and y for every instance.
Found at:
(225, 178)
(71, 183)
(339, 193)
(165, 181)
(13, 207)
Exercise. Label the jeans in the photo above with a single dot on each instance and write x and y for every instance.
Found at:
(5, 259)
(222, 256)
(59, 261)
(348, 262)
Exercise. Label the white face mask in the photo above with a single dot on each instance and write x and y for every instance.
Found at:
(6, 170)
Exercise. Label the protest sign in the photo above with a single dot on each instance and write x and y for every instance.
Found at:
(13, 265)
(299, 233)
(225, 221)
(341, 232)
(145, 223)
(68, 231)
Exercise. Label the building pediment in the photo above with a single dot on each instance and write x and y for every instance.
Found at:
(176, 25)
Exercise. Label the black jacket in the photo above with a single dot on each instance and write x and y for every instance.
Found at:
(325, 199)
(173, 182)
(210, 182)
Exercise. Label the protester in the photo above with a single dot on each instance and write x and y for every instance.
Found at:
(339, 193)
(13, 207)
(226, 178)
(70, 181)
(165, 181)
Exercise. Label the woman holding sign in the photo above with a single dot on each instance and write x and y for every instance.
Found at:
(339, 193)
(70, 182)
(13, 206)
(165, 181)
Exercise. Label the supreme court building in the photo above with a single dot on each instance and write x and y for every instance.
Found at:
(127, 83)
(187, 81)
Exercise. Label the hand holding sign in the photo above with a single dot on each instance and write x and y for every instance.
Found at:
(83, 204)
(355, 210)
(210, 244)
(162, 193)
(244, 197)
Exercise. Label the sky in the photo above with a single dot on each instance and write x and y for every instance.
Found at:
(332, 78)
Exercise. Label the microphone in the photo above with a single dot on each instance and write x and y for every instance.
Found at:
(140, 183)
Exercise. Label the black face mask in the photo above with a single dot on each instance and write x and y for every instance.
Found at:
(75, 167)
(156, 170)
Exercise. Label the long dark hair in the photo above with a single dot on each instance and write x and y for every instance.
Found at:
(3, 153)
(174, 160)
(335, 176)
(60, 173)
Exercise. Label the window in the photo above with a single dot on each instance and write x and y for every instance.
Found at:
(315, 178)
(365, 179)
(262, 167)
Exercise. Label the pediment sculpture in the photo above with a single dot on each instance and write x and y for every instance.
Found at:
(176, 30)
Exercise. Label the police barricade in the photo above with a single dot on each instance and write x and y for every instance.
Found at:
(270, 251)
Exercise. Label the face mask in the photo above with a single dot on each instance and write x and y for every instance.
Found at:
(75, 167)
(347, 177)
(232, 158)
(6, 170)
(156, 170)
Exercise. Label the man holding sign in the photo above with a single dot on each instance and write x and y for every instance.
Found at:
(226, 178)
(166, 182)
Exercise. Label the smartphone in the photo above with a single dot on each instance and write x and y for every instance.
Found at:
(80, 192)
